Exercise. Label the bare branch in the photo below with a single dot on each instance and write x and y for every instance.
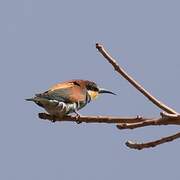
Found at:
(140, 146)
(169, 117)
(133, 82)
(166, 119)
(92, 119)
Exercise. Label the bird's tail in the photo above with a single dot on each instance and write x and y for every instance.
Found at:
(43, 102)
(39, 101)
(30, 99)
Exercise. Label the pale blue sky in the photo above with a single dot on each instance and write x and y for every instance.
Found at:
(43, 42)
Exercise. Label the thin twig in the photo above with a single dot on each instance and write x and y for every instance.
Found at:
(133, 82)
(92, 119)
(167, 119)
(167, 115)
(140, 146)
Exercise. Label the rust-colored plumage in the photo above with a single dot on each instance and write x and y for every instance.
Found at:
(72, 91)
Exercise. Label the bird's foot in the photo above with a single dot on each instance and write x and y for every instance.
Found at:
(50, 117)
(77, 117)
(53, 120)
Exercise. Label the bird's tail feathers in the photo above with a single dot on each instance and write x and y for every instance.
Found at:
(43, 102)
(30, 99)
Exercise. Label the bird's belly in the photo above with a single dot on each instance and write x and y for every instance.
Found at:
(55, 111)
(61, 109)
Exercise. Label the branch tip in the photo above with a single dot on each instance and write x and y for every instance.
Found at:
(133, 145)
(98, 46)
(152, 144)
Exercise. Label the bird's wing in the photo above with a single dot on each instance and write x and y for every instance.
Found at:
(59, 86)
(65, 92)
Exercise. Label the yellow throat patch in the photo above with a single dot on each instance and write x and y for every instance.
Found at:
(93, 94)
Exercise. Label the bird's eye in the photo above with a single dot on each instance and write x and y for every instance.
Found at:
(92, 87)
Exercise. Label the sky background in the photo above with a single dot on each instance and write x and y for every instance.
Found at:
(44, 42)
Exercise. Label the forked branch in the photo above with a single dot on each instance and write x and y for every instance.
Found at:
(155, 101)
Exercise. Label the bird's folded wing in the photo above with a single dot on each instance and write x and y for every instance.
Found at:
(68, 93)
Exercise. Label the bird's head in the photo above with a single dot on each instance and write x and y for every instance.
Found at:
(94, 91)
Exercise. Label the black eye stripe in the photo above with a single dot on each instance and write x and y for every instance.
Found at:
(92, 86)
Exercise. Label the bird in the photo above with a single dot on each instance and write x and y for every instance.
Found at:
(68, 97)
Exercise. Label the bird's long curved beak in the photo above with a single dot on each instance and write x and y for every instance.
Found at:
(101, 91)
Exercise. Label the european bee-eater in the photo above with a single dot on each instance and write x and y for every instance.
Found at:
(68, 97)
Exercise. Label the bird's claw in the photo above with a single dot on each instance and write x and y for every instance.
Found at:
(77, 117)
(53, 120)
